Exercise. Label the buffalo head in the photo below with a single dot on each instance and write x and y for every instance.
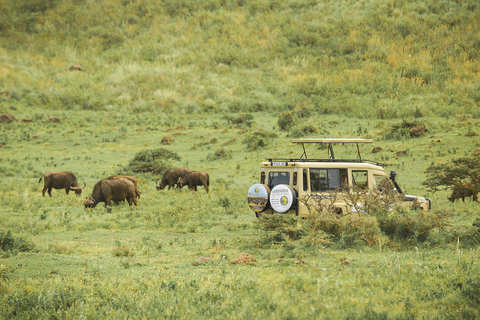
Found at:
(90, 203)
(78, 190)
(160, 186)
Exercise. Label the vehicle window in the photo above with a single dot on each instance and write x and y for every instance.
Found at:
(276, 178)
(327, 179)
(305, 182)
(383, 184)
(360, 178)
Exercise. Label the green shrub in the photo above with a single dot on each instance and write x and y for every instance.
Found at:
(258, 139)
(241, 121)
(347, 230)
(404, 130)
(412, 225)
(219, 154)
(304, 130)
(286, 120)
(282, 227)
(11, 245)
(151, 161)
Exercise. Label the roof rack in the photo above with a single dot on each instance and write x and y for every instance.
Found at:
(326, 160)
(330, 143)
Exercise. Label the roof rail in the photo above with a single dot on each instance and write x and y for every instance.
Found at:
(330, 143)
(326, 160)
(331, 140)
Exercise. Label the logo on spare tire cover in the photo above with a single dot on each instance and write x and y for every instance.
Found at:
(282, 198)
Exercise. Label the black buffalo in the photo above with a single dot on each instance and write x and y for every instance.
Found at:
(170, 178)
(116, 190)
(194, 179)
(60, 180)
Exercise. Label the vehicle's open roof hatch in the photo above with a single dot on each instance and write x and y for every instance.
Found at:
(330, 143)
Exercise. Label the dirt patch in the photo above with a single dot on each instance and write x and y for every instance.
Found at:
(167, 140)
(417, 131)
(244, 258)
(6, 118)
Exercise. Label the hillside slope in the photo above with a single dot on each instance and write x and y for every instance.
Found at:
(376, 59)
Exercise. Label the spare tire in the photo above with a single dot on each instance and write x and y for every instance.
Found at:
(282, 198)
(258, 196)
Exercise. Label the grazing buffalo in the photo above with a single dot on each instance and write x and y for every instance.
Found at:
(116, 190)
(60, 180)
(131, 178)
(464, 190)
(170, 178)
(194, 179)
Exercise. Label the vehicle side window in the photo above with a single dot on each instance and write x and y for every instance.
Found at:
(276, 178)
(305, 182)
(360, 178)
(327, 179)
(383, 184)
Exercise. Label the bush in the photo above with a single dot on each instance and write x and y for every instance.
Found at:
(347, 229)
(407, 225)
(11, 245)
(219, 154)
(241, 121)
(405, 130)
(283, 227)
(151, 161)
(306, 129)
(258, 139)
(286, 120)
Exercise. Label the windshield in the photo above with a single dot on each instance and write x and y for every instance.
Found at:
(276, 178)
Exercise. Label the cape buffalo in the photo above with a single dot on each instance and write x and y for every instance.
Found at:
(194, 179)
(60, 180)
(131, 178)
(107, 190)
(464, 190)
(170, 178)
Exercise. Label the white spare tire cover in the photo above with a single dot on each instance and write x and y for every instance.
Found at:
(258, 197)
(282, 198)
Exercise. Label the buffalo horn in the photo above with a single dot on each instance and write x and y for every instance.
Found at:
(78, 188)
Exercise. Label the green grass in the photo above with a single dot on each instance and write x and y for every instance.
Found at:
(232, 82)
(145, 261)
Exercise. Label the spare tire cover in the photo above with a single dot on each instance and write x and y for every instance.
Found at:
(258, 197)
(282, 198)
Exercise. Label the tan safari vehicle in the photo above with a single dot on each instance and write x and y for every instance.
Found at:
(291, 185)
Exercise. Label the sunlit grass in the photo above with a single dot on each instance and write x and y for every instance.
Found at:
(183, 69)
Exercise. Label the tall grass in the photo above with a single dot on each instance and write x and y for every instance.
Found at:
(242, 56)
(221, 78)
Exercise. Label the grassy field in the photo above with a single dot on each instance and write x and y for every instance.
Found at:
(231, 83)
(172, 255)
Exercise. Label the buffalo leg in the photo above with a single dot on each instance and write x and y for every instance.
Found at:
(44, 190)
(50, 191)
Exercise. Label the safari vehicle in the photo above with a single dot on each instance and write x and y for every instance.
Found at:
(291, 185)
